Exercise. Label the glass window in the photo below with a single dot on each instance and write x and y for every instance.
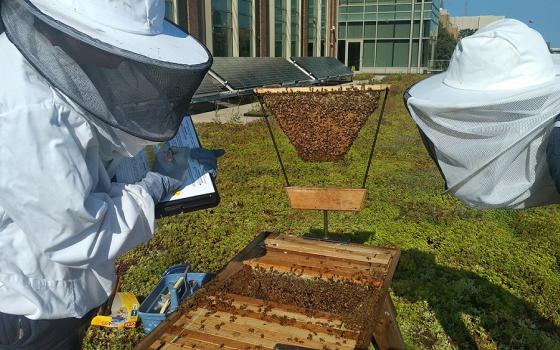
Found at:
(402, 30)
(342, 51)
(356, 17)
(368, 59)
(170, 10)
(416, 30)
(384, 57)
(342, 30)
(403, 15)
(414, 62)
(311, 26)
(386, 8)
(369, 30)
(355, 30)
(280, 15)
(385, 30)
(323, 26)
(295, 28)
(222, 39)
(426, 52)
(386, 16)
(245, 27)
(400, 54)
(370, 16)
(355, 9)
(403, 7)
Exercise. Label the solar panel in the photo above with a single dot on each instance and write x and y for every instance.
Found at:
(324, 68)
(249, 72)
(209, 86)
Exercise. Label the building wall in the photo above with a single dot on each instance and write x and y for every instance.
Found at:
(387, 36)
(474, 22)
(277, 28)
(445, 22)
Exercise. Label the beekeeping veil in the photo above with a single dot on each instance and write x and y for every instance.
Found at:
(120, 61)
(486, 121)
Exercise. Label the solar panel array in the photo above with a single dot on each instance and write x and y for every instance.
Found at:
(209, 86)
(324, 68)
(250, 72)
(242, 74)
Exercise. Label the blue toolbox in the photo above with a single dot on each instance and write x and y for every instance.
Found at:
(175, 285)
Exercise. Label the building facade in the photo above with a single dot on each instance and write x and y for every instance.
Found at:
(473, 22)
(259, 28)
(445, 23)
(387, 36)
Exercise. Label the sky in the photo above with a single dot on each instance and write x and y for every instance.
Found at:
(544, 14)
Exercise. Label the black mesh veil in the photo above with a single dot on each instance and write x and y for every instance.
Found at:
(140, 96)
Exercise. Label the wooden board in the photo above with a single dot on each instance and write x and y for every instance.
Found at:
(279, 90)
(325, 198)
(233, 321)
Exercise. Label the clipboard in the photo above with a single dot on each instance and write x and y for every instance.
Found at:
(199, 189)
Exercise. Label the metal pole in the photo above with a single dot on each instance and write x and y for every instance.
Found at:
(265, 117)
(375, 137)
(325, 224)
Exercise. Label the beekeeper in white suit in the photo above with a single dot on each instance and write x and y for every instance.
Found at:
(488, 119)
(82, 84)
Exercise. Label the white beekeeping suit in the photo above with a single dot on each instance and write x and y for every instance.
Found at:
(487, 119)
(82, 83)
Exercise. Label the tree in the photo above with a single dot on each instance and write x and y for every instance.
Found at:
(445, 45)
(463, 33)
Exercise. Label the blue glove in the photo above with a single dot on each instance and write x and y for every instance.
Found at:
(208, 159)
(172, 161)
(159, 186)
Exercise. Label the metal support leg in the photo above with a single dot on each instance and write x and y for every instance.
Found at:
(325, 225)
(375, 137)
(265, 117)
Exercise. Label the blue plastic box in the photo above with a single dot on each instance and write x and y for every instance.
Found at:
(150, 307)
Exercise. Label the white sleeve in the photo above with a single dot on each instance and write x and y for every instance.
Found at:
(50, 169)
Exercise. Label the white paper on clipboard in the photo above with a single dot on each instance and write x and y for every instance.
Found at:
(197, 182)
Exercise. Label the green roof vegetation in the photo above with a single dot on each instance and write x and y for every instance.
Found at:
(466, 279)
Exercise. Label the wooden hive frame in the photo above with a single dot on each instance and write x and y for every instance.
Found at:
(243, 325)
(283, 90)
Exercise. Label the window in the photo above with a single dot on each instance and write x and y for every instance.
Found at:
(324, 32)
(369, 54)
(311, 27)
(295, 28)
(170, 10)
(245, 10)
(280, 15)
(342, 51)
(222, 40)
(355, 30)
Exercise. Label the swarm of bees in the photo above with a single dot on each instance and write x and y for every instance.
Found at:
(322, 125)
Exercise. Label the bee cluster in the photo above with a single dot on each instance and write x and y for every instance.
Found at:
(322, 125)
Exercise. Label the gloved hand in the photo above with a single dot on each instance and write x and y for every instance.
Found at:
(172, 161)
(208, 159)
(159, 186)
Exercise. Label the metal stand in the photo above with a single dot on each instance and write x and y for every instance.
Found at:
(325, 234)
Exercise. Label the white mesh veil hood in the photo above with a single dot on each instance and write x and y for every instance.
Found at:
(489, 117)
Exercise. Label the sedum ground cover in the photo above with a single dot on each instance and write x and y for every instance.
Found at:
(467, 279)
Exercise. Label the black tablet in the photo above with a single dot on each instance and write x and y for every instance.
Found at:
(198, 190)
